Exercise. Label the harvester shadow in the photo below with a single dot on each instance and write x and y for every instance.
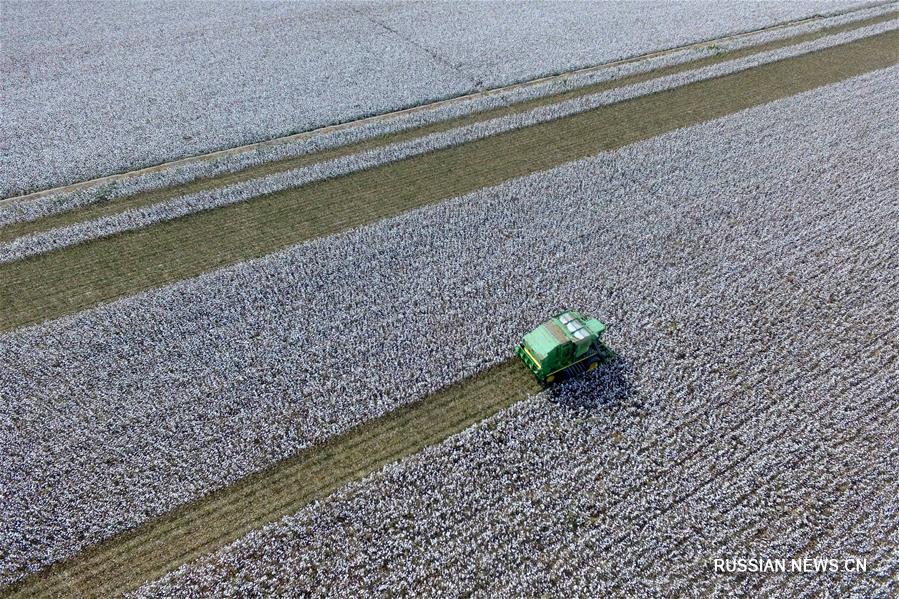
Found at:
(607, 386)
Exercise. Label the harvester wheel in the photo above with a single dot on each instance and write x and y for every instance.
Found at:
(592, 365)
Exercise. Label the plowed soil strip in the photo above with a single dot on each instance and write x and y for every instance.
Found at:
(12, 231)
(148, 552)
(75, 278)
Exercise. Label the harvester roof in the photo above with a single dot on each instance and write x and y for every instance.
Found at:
(569, 326)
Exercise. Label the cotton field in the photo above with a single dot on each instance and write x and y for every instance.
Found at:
(742, 260)
(177, 81)
(38, 243)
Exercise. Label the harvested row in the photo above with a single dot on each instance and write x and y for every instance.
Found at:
(625, 473)
(56, 239)
(53, 210)
(448, 270)
(814, 428)
(163, 544)
(77, 102)
(65, 281)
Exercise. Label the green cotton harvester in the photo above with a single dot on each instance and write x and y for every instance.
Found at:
(564, 346)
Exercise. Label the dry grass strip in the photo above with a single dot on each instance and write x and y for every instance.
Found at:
(78, 277)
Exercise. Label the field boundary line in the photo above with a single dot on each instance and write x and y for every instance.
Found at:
(95, 221)
(560, 76)
(69, 210)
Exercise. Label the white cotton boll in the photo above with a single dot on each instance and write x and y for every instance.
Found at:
(441, 569)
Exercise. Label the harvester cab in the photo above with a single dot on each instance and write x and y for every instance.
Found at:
(564, 346)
